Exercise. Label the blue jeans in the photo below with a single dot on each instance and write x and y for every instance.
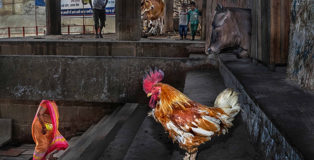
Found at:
(183, 30)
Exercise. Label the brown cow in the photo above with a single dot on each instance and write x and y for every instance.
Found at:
(231, 29)
(153, 11)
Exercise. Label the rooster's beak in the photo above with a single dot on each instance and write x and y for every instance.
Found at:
(149, 94)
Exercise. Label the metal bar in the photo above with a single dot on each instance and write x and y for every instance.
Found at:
(23, 32)
(9, 34)
(36, 30)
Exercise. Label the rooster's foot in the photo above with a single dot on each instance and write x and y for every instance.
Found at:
(190, 156)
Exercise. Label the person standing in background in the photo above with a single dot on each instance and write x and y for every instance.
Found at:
(183, 22)
(193, 19)
(99, 14)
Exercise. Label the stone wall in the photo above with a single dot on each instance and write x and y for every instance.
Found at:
(301, 54)
(86, 79)
(99, 48)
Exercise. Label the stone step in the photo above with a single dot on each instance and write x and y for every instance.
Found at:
(6, 131)
(91, 145)
(150, 143)
(121, 142)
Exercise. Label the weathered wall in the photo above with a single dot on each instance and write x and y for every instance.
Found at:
(270, 31)
(75, 117)
(86, 79)
(301, 56)
(96, 48)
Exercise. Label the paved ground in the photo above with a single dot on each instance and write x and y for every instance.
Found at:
(288, 106)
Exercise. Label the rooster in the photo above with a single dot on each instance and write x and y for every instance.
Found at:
(189, 123)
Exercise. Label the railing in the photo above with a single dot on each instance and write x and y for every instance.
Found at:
(9, 32)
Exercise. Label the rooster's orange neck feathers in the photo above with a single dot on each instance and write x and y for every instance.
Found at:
(170, 99)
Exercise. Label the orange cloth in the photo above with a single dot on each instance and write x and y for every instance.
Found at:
(52, 140)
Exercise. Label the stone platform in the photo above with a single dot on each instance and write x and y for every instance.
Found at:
(108, 46)
(279, 114)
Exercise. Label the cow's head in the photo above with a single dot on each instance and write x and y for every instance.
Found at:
(146, 6)
(224, 32)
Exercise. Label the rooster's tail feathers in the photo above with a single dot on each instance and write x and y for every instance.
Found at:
(227, 100)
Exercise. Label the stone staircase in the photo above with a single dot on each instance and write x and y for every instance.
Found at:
(130, 134)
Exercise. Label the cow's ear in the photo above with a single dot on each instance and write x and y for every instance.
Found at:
(219, 8)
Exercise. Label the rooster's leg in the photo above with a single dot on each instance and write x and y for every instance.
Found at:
(190, 156)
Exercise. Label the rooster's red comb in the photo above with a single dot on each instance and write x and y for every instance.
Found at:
(151, 78)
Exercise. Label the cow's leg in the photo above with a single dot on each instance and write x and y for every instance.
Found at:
(152, 30)
(245, 45)
(162, 25)
(159, 27)
(243, 53)
(237, 51)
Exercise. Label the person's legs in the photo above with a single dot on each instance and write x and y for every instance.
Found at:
(102, 17)
(181, 31)
(193, 30)
(96, 21)
(185, 31)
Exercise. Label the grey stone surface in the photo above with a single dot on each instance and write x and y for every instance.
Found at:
(279, 115)
(91, 145)
(86, 79)
(151, 142)
(118, 148)
(5, 131)
(147, 48)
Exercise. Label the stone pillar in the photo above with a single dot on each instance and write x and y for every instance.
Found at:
(169, 16)
(203, 20)
(128, 19)
(53, 17)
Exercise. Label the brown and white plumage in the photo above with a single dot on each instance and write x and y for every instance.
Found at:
(189, 123)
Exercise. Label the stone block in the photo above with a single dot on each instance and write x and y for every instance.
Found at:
(5, 131)
(66, 48)
(89, 50)
(123, 50)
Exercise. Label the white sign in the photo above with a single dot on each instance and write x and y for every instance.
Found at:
(77, 8)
